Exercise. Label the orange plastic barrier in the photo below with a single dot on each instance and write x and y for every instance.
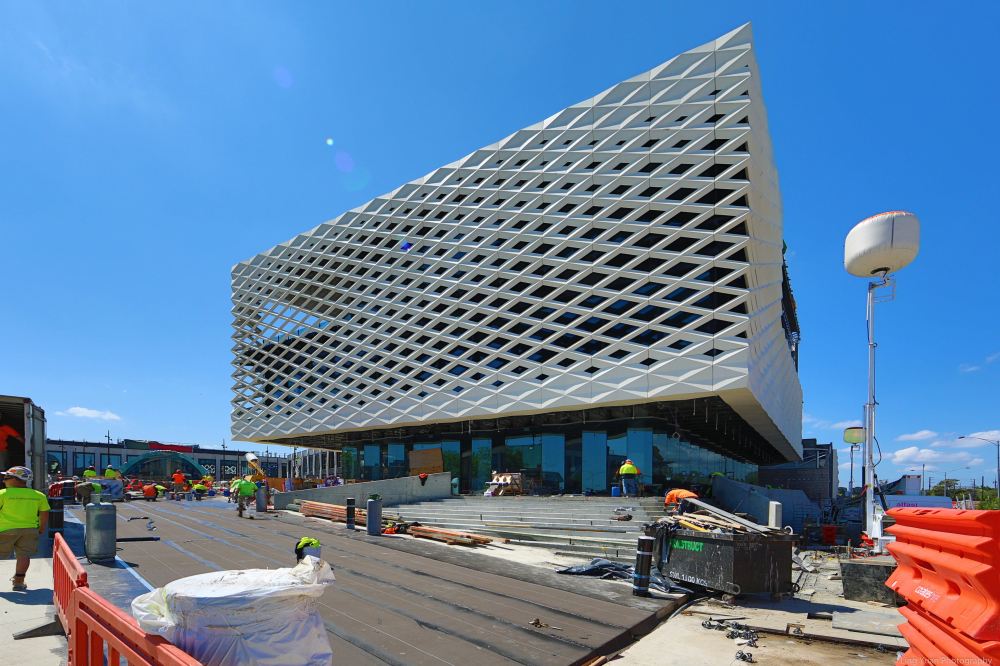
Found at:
(932, 643)
(67, 575)
(949, 567)
(92, 624)
(97, 625)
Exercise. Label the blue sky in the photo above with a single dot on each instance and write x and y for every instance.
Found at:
(148, 147)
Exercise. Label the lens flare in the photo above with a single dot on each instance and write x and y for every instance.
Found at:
(329, 142)
(356, 179)
(344, 161)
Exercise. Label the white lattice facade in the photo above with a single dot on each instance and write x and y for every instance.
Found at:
(626, 250)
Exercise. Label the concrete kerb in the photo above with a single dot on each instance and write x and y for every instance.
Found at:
(404, 490)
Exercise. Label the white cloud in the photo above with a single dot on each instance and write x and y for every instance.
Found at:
(90, 414)
(914, 456)
(972, 441)
(856, 423)
(917, 436)
(992, 357)
(965, 367)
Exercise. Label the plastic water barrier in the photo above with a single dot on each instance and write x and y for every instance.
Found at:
(949, 574)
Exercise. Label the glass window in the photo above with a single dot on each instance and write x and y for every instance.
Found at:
(372, 470)
(481, 463)
(524, 454)
(115, 460)
(595, 461)
(664, 459)
(553, 462)
(396, 460)
(574, 465)
(350, 462)
(617, 452)
(683, 467)
(208, 464)
(56, 462)
(82, 461)
(640, 452)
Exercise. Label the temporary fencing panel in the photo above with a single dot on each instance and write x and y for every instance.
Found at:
(98, 625)
(949, 567)
(92, 624)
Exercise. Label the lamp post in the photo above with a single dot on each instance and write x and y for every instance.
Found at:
(914, 469)
(946, 478)
(994, 442)
(874, 249)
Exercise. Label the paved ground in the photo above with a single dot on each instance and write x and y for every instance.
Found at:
(20, 611)
(397, 601)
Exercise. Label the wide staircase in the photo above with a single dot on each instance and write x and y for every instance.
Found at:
(573, 523)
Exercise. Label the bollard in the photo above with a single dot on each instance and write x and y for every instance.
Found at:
(643, 560)
(260, 497)
(56, 515)
(373, 516)
(350, 513)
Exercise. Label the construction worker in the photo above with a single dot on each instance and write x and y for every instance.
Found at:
(149, 492)
(84, 490)
(199, 490)
(6, 433)
(245, 490)
(628, 472)
(89, 472)
(24, 515)
(178, 478)
(675, 496)
(110, 473)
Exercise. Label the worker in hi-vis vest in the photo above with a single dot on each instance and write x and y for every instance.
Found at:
(628, 472)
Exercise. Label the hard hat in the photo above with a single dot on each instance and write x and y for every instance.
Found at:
(110, 467)
(22, 473)
(628, 460)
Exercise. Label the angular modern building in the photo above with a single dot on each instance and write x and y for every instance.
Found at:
(606, 283)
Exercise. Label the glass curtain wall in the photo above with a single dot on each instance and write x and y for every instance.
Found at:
(580, 459)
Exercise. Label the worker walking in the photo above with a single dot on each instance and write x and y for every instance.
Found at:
(675, 497)
(6, 434)
(24, 515)
(628, 472)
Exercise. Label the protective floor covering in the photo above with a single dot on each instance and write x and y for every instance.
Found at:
(401, 601)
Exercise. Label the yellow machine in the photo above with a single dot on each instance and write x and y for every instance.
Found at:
(254, 464)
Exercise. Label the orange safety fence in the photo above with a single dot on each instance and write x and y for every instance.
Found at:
(949, 573)
(95, 629)
(67, 575)
(97, 625)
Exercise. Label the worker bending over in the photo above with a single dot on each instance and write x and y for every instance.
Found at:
(149, 492)
(24, 515)
(628, 472)
(674, 497)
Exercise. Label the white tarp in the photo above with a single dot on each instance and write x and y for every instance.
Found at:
(252, 617)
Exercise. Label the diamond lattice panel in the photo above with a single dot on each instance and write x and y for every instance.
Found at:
(626, 249)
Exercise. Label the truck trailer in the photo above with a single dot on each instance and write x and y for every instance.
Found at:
(28, 419)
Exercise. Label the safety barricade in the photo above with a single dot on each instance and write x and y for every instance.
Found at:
(949, 567)
(932, 643)
(95, 629)
(67, 575)
(100, 629)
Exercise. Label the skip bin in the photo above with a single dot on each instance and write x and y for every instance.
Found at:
(750, 563)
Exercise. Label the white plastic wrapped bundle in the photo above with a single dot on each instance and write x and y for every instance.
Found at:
(253, 617)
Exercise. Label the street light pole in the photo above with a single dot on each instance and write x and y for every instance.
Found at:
(994, 442)
(946, 478)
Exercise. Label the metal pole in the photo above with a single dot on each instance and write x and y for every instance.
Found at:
(874, 531)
